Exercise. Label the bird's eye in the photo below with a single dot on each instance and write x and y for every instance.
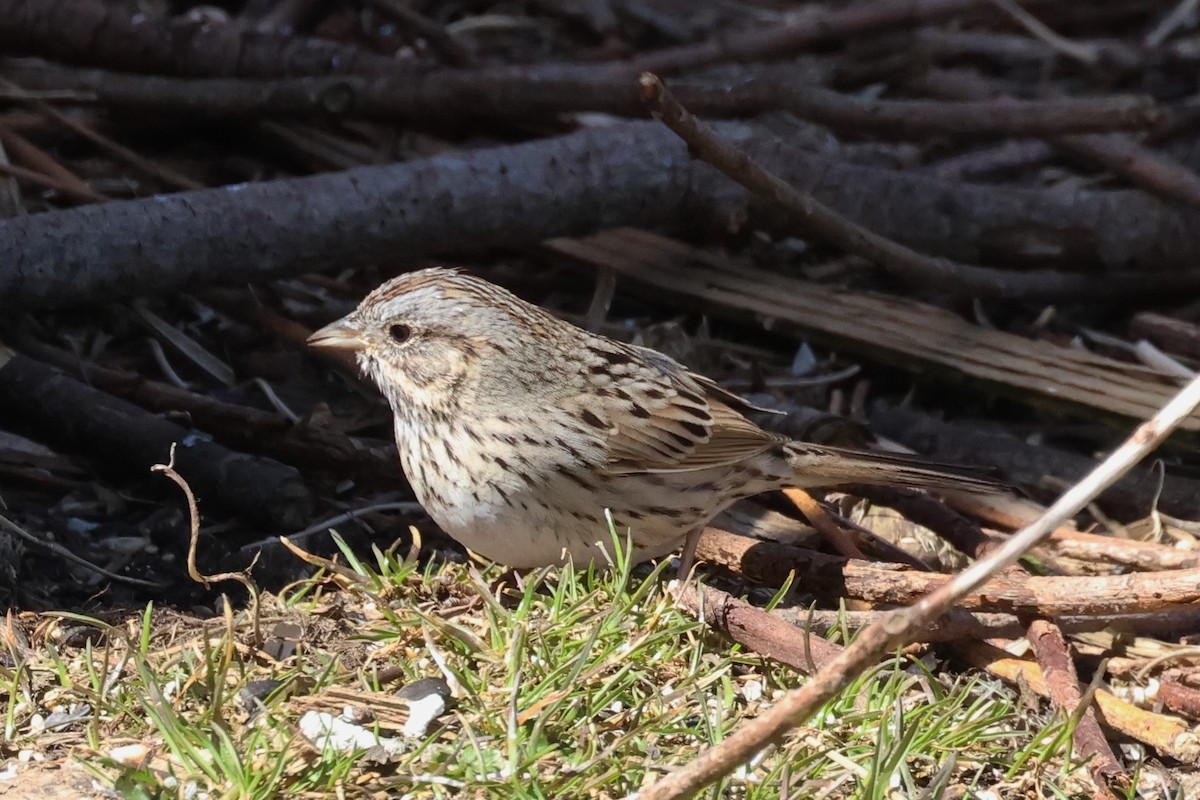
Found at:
(399, 333)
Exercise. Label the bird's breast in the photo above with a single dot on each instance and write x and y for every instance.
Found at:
(467, 474)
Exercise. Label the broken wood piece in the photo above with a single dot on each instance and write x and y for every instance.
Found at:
(1147, 556)
(1180, 699)
(901, 333)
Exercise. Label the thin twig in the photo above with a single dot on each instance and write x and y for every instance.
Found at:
(44, 181)
(820, 519)
(119, 151)
(406, 506)
(1163, 30)
(1085, 53)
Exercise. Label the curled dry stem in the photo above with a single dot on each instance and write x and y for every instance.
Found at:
(194, 573)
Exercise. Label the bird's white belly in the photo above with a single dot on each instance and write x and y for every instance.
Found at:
(514, 526)
(517, 538)
(549, 516)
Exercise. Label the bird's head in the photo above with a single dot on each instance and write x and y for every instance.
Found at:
(436, 339)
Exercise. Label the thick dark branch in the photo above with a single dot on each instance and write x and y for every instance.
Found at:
(507, 92)
(519, 92)
(72, 414)
(632, 174)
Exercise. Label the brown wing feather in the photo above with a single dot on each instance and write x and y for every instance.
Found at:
(659, 417)
(823, 465)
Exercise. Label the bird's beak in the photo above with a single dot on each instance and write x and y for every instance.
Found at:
(340, 335)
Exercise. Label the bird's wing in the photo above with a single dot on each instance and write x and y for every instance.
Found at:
(653, 415)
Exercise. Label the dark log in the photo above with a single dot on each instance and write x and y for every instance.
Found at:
(630, 174)
(64, 411)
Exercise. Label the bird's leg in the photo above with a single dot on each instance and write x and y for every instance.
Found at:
(687, 557)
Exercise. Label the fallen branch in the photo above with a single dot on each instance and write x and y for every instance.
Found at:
(763, 633)
(1151, 170)
(1014, 593)
(91, 32)
(905, 119)
(959, 625)
(1097, 549)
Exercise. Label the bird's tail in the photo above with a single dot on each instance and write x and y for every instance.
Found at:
(819, 465)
